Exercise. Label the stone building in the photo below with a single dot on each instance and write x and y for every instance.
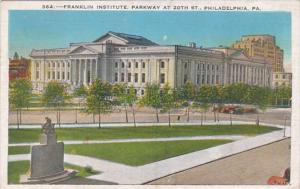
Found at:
(135, 60)
(282, 79)
(262, 46)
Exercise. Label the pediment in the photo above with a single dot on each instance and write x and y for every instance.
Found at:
(239, 55)
(83, 50)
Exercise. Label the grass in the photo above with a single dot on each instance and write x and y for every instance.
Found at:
(32, 135)
(17, 168)
(13, 150)
(141, 153)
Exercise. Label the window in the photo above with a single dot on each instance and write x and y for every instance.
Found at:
(185, 78)
(207, 66)
(162, 78)
(217, 79)
(283, 76)
(53, 64)
(203, 78)
(122, 77)
(58, 75)
(162, 65)
(68, 75)
(276, 76)
(68, 64)
(53, 75)
(198, 67)
(48, 75)
(276, 84)
(129, 64)
(37, 74)
(136, 65)
(58, 64)
(116, 64)
(142, 92)
(63, 75)
(198, 79)
(136, 77)
(129, 77)
(116, 77)
(212, 67)
(143, 64)
(185, 65)
(63, 65)
(143, 77)
(207, 80)
(123, 65)
(37, 65)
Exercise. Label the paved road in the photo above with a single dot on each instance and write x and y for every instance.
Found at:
(250, 167)
(274, 116)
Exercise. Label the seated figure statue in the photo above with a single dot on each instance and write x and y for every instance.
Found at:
(48, 127)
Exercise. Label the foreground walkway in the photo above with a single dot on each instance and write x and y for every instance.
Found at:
(123, 174)
(218, 137)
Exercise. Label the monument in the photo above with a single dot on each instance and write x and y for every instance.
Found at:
(47, 159)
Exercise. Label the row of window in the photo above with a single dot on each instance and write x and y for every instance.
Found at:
(201, 65)
(57, 64)
(162, 65)
(136, 77)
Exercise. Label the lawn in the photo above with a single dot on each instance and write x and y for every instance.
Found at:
(32, 135)
(141, 153)
(17, 168)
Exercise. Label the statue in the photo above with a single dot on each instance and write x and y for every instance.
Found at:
(48, 127)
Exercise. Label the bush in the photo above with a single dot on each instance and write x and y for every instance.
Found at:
(88, 169)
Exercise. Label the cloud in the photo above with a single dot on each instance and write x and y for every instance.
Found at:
(165, 37)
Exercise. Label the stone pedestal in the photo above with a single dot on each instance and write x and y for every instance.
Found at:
(47, 162)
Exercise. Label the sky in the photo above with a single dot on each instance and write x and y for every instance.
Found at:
(56, 29)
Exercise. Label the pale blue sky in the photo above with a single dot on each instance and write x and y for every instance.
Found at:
(56, 29)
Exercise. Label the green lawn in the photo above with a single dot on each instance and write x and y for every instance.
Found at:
(32, 135)
(141, 153)
(17, 168)
(18, 150)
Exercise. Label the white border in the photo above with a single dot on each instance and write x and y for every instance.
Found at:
(292, 6)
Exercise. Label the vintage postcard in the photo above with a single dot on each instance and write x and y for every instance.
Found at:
(109, 94)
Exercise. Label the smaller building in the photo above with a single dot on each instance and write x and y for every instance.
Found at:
(282, 79)
(19, 68)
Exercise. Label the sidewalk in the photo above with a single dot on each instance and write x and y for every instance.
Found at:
(123, 174)
(218, 137)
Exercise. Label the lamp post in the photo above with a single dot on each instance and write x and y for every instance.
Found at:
(284, 126)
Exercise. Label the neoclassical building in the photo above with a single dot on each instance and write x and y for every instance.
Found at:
(135, 60)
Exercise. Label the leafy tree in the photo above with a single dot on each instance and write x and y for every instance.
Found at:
(99, 98)
(188, 93)
(260, 97)
(20, 94)
(55, 95)
(80, 93)
(130, 99)
(281, 93)
(152, 98)
(204, 98)
(167, 101)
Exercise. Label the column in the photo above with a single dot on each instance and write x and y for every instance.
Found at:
(91, 71)
(85, 72)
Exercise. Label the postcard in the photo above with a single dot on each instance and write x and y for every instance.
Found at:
(159, 94)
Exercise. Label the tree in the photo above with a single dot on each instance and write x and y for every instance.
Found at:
(260, 97)
(55, 95)
(188, 93)
(119, 92)
(167, 101)
(130, 99)
(80, 93)
(99, 98)
(20, 94)
(152, 98)
(204, 98)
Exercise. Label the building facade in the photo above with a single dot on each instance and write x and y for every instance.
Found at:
(19, 68)
(135, 60)
(282, 79)
(262, 46)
